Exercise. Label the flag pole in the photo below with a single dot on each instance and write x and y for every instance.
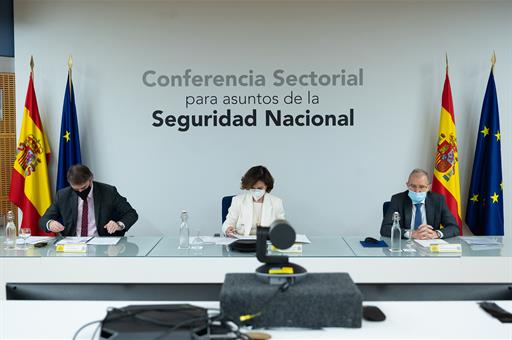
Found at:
(70, 66)
(446, 55)
(493, 60)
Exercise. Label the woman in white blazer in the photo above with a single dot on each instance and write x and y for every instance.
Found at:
(255, 207)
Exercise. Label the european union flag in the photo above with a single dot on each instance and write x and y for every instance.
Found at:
(484, 214)
(69, 148)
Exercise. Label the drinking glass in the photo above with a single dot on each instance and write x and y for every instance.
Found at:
(197, 242)
(25, 233)
(2, 227)
(410, 241)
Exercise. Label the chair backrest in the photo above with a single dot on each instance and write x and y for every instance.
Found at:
(385, 207)
(226, 203)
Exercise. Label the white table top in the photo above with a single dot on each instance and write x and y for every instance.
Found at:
(405, 320)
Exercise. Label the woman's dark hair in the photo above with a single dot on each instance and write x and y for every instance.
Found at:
(255, 174)
(78, 174)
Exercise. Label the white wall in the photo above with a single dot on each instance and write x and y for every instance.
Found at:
(332, 180)
(6, 64)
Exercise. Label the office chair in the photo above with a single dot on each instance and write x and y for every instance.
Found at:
(385, 207)
(226, 203)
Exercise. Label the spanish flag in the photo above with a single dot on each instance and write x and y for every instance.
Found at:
(446, 168)
(30, 187)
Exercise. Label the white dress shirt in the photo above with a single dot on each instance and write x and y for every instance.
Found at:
(91, 225)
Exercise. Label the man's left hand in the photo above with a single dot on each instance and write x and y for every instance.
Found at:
(426, 232)
(112, 227)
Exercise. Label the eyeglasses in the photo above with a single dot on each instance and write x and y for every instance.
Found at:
(417, 187)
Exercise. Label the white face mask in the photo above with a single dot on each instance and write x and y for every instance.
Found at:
(257, 193)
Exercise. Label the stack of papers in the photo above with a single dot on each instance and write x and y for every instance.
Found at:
(295, 248)
(482, 243)
(480, 240)
(428, 243)
(446, 248)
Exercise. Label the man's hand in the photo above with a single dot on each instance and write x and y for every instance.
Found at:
(425, 232)
(230, 231)
(55, 226)
(112, 227)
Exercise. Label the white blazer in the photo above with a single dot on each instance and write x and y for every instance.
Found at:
(241, 210)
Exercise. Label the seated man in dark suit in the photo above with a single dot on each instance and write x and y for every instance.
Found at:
(420, 209)
(88, 208)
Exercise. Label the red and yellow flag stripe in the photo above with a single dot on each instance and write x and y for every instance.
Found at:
(446, 169)
(30, 187)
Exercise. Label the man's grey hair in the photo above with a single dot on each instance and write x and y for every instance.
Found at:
(420, 172)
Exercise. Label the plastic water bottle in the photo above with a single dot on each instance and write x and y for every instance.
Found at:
(10, 231)
(396, 234)
(184, 232)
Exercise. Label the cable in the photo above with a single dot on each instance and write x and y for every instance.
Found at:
(174, 327)
(96, 331)
(84, 326)
(282, 288)
(179, 325)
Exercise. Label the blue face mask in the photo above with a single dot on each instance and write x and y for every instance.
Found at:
(417, 197)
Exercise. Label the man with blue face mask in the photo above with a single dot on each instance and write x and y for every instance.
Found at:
(422, 211)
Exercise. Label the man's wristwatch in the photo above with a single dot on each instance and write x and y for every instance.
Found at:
(121, 225)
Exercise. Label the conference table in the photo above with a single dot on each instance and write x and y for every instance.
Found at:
(451, 319)
(157, 260)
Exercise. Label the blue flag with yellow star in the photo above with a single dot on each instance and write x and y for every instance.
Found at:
(484, 213)
(69, 148)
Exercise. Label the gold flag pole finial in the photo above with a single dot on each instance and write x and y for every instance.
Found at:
(31, 64)
(493, 59)
(446, 55)
(70, 62)
(70, 67)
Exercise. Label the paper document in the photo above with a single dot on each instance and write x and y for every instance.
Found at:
(480, 240)
(34, 239)
(104, 241)
(218, 241)
(74, 240)
(243, 237)
(428, 243)
(299, 238)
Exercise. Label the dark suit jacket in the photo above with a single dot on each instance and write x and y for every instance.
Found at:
(435, 207)
(108, 205)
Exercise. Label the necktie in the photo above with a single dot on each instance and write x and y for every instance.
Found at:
(85, 222)
(417, 218)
